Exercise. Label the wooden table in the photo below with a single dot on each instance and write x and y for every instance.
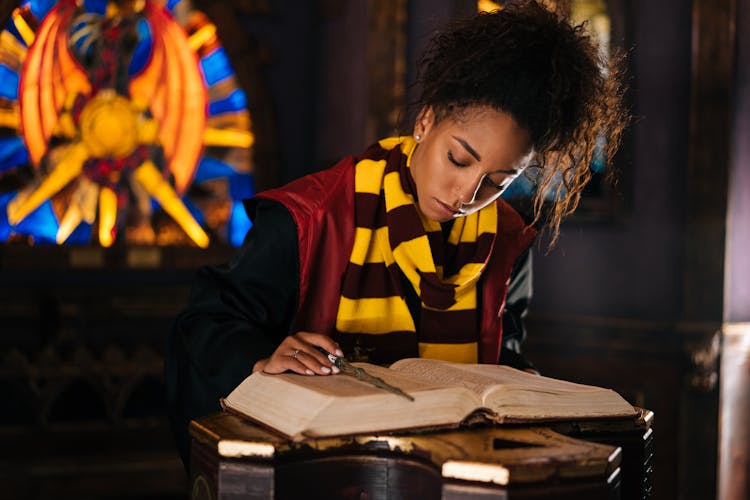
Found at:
(232, 458)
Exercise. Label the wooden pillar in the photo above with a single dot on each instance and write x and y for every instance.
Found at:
(712, 66)
(734, 433)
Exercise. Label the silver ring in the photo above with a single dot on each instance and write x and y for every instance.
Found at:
(294, 353)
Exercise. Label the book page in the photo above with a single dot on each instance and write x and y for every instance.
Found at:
(445, 373)
(483, 378)
(517, 394)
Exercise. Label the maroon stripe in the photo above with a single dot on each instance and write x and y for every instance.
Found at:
(436, 245)
(395, 160)
(371, 281)
(448, 327)
(369, 210)
(464, 253)
(379, 349)
(403, 224)
(435, 293)
(375, 152)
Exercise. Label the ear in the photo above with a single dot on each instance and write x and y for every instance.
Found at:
(424, 122)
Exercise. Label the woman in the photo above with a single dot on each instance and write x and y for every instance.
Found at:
(408, 250)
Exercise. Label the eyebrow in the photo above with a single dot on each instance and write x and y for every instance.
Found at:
(468, 148)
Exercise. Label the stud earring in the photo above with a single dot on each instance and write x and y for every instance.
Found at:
(417, 137)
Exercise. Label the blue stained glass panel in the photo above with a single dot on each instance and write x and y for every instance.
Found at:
(171, 4)
(81, 235)
(194, 211)
(4, 225)
(142, 50)
(13, 153)
(211, 168)
(241, 186)
(8, 83)
(40, 8)
(239, 224)
(42, 223)
(216, 66)
(236, 101)
(95, 6)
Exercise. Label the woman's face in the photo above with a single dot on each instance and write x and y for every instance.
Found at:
(464, 163)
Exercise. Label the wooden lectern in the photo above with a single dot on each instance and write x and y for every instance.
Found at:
(234, 459)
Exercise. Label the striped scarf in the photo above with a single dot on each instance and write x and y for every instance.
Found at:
(392, 236)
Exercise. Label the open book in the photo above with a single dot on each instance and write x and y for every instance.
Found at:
(445, 395)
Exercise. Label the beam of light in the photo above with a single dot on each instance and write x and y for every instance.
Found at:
(82, 208)
(11, 46)
(201, 36)
(107, 216)
(23, 28)
(65, 171)
(9, 117)
(228, 137)
(488, 6)
(148, 176)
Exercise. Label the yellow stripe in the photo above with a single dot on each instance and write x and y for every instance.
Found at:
(458, 226)
(390, 142)
(415, 254)
(394, 195)
(381, 250)
(488, 219)
(469, 233)
(458, 353)
(375, 316)
(369, 251)
(430, 226)
(408, 146)
(467, 274)
(368, 176)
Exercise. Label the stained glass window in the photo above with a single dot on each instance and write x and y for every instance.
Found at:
(120, 122)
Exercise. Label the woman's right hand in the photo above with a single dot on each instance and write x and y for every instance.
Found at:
(298, 353)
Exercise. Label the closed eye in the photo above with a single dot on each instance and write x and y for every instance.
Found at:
(454, 161)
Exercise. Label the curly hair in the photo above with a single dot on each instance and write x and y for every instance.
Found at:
(548, 75)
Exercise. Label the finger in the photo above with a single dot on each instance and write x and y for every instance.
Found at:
(323, 341)
(312, 362)
(279, 363)
(306, 358)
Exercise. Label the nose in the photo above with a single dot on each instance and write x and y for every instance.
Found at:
(468, 192)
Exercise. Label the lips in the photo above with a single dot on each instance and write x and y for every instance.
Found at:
(448, 209)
